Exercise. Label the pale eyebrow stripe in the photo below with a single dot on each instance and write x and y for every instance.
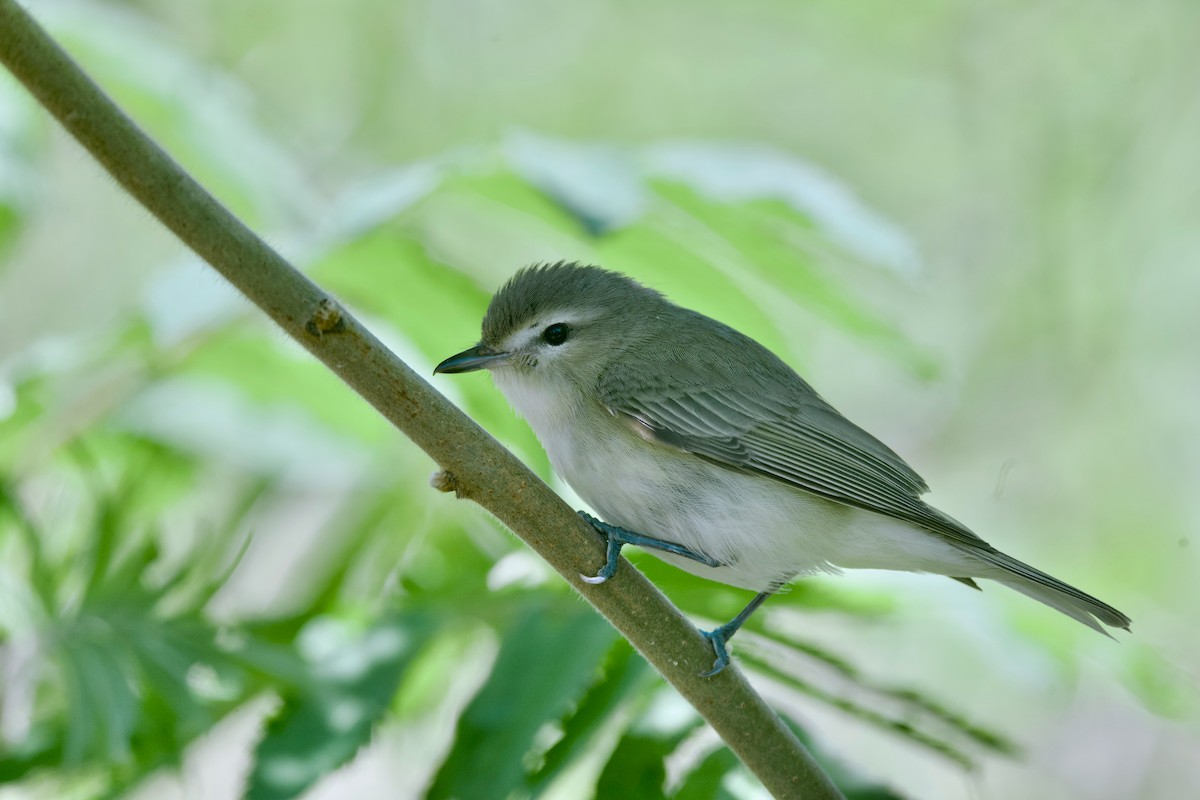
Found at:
(522, 337)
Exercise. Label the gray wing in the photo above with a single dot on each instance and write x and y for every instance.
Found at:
(702, 398)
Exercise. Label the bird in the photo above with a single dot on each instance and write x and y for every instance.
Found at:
(693, 441)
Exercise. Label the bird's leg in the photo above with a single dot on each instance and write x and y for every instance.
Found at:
(721, 636)
(619, 537)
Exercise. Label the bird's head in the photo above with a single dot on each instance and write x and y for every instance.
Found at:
(558, 322)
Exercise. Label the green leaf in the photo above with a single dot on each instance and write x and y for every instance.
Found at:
(705, 781)
(42, 579)
(735, 174)
(625, 673)
(102, 707)
(909, 712)
(658, 253)
(637, 766)
(318, 730)
(599, 183)
(259, 368)
(765, 240)
(864, 711)
(546, 661)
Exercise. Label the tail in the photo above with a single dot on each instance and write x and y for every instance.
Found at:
(1054, 593)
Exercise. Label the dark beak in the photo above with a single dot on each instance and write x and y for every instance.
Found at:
(478, 357)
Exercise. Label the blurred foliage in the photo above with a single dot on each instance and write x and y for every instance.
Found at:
(144, 668)
(197, 521)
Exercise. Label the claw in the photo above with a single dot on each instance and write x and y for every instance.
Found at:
(613, 554)
(718, 639)
(608, 570)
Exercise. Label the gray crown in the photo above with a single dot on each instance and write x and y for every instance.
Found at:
(545, 288)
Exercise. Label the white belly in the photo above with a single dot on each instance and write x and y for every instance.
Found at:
(763, 532)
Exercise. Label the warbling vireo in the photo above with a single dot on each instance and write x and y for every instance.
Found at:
(697, 442)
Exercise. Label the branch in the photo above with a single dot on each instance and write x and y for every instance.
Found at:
(475, 465)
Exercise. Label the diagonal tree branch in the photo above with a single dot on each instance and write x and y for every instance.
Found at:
(474, 464)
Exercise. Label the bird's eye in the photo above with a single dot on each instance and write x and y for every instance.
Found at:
(556, 334)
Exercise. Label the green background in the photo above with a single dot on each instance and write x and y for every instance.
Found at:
(972, 226)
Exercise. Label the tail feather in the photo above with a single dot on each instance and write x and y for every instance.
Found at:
(1047, 589)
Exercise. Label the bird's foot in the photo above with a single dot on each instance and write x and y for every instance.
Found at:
(719, 638)
(619, 537)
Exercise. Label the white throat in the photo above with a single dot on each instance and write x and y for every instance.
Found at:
(550, 408)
